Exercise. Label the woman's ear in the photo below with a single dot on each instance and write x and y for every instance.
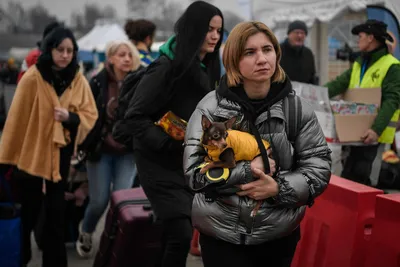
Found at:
(370, 38)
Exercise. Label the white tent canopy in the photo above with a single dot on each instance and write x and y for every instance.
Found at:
(98, 38)
(19, 53)
(103, 33)
(275, 12)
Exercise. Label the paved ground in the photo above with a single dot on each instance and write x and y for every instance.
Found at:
(75, 261)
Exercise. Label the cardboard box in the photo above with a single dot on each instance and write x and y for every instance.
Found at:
(350, 128)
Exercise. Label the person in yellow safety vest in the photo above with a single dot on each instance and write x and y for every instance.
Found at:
(375, 68)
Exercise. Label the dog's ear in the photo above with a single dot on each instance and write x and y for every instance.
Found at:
(205, 122)
(230, 122)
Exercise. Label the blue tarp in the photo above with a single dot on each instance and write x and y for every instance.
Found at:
(387, 16)
(89, 56)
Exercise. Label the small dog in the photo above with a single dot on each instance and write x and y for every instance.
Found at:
(225, 147)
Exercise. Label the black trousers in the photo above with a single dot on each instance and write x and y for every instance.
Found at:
(171, 201)
(358, 165)
(277, 253)
(31, 198)
(176, 239)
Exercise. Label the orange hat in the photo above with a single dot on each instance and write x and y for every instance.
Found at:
(390, 157)
(10, 61)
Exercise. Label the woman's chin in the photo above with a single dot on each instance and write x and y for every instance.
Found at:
(125, 70)
(211, 50)
(61, 66)
(262, 79)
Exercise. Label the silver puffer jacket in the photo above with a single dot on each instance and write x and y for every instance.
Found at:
(227, 217)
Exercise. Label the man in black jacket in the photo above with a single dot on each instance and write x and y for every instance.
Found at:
(298, 60)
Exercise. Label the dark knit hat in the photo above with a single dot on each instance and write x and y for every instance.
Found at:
(375, 27)
(49, 27)
(297, 25)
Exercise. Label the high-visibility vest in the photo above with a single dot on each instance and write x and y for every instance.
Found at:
(146, 59)
(373, 78)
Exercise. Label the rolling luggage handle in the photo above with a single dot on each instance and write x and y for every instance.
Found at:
(144, 202)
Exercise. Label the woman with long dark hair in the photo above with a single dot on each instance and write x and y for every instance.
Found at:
(186, 71)
(52, 112)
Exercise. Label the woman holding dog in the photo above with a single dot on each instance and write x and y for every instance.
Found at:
(186, 71)
(254, 91)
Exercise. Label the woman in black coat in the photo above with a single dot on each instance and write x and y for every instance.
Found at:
(188, 68)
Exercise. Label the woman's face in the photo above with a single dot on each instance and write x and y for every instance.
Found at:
(258, 62)
(62, 55)
(213, 35)
(363, 41)
(122, 60)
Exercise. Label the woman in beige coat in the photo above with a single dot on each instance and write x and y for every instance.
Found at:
(52, 111)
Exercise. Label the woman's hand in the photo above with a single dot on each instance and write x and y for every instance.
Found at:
(61, 114)
(370, 136)
(263, 188)
(258, 163)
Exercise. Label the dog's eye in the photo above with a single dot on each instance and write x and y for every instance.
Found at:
(215, 136)
(226, 135)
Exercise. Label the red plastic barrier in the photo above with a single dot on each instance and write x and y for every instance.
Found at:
(336, 230)
(384, 248)
(195, 246)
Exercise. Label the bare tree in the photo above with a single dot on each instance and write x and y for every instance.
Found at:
(86, 20)
(39, 18)
(109, 12)
(169, 14)
(16, 16)
(91, 13)
(139, 7)
(162, 12)
(78, 22)
(230, 20)
(148, 9)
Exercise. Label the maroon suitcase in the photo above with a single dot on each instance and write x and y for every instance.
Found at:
(132, 236)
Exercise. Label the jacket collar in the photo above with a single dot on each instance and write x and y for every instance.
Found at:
(227, 109)
(373, 56)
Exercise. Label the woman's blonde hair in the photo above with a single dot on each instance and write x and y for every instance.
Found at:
(234, 49)
(113, 46)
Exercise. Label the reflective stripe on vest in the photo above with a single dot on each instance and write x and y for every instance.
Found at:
(146, 59)
(373, 78)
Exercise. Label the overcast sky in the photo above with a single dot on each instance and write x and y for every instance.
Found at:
(63, 8)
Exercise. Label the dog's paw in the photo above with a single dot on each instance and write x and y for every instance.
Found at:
(203, 170)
